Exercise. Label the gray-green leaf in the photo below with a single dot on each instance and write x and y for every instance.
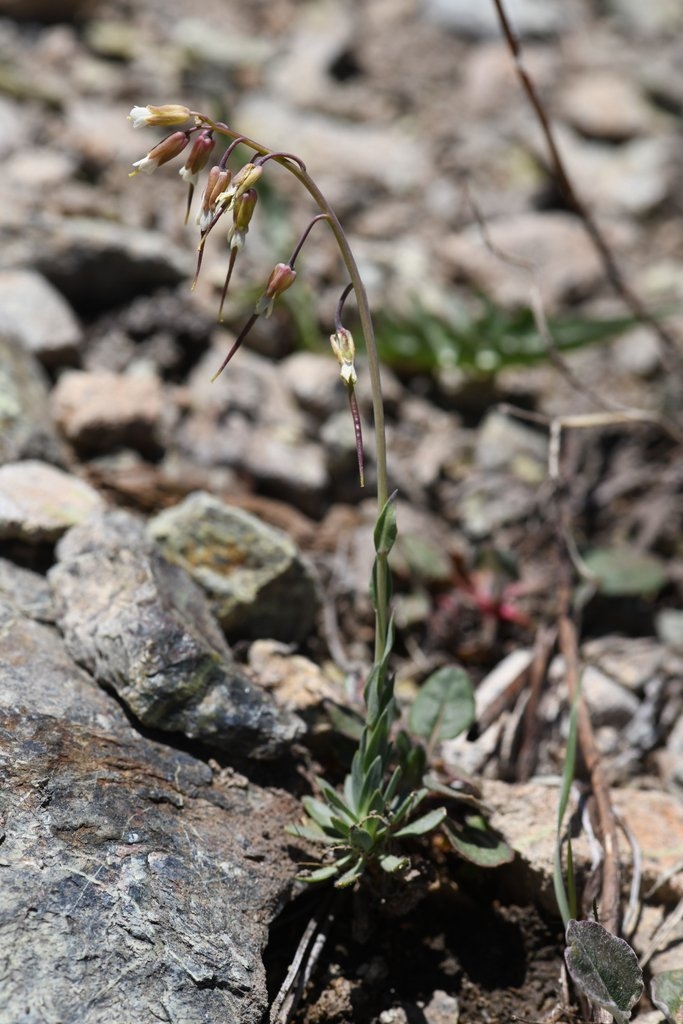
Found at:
(604, 967)
(444, 707)
(667, 994)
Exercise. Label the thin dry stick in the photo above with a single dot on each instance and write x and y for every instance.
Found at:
(543, 647)
(303, 963)
(670, 349)
(611, 875)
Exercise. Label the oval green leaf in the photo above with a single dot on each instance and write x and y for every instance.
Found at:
(604, 967)
(444, 707)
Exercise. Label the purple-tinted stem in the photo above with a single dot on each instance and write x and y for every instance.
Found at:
(240, 338)
(299, 245)
(338, 326)
(355, 415)
(231, 264)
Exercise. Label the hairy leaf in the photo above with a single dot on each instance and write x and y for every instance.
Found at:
(667, 994)
(604, 967)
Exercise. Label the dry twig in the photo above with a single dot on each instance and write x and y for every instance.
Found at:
(670, 348)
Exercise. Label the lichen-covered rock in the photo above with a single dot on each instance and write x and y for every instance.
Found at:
(136, 885)
(257, 581)
(39, 502)
(143, 628)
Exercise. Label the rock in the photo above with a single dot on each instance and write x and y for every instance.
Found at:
(608, 702)
(26, 428)
(313, 379)
(143, 629)
(224, 51)
(479, 21)
(505, 442)
(38, 677)
(525, 815)
(634, 178)
(442, 1008)
(295, 681)
(638, 353)
(654, 18)
(669, 623)
(38, 502)
(98, 264)
(287, 468)
(554, 244)
(136, 885)
(98, 412)
(34, 312)
(369, 156)
(27, 591)
(256, 579)
(604, 105)
(631, 661)
(47, 10)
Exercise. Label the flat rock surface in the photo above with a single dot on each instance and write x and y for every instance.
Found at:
(39, 502)
(136, 886)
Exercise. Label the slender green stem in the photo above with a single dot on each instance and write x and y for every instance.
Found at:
(299, 172)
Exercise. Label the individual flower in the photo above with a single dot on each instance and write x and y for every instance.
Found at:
(217, 182)
(242, 212)
(345, 350)
(166, 150)
(243, 180)
(198, 157)
(165, 116)
(281, 278)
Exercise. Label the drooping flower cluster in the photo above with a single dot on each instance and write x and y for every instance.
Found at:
(236, 194)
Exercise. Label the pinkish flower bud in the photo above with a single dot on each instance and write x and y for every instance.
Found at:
(218, 180)
(165, 116)
(281, 278)
(198, 157)
(166, 150)
(242, 213)
(243, 180)
(345, 350)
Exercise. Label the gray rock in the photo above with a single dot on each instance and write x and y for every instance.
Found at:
(39, 502)
(554, 244)
(479, 20)
(287, 468)
(136, 885)
(256, 579)
(634, 178)
(609, 703)
(504, 442)
(606, 106)
(37, 676)
(101, 411)
(34, 312)
(26, 428)
(144, 629)
(365, 154)
(98, 264)
(653, 18)
(313, 378)
(27, 591)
